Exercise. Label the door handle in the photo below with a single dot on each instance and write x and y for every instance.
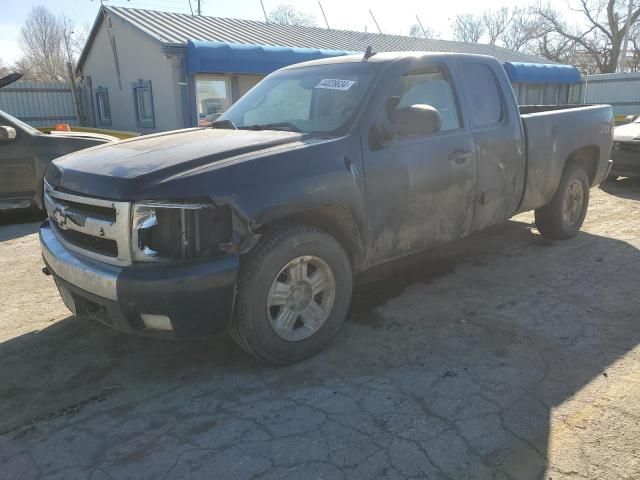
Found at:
(459, 155)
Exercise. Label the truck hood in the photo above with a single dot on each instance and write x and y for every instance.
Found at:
(89, 135)
(627, 133)
(123, 169)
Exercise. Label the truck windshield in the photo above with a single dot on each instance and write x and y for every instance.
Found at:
(316, 99)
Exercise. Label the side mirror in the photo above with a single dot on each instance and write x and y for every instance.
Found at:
(629, 119)
(415, 120)
(7, 133)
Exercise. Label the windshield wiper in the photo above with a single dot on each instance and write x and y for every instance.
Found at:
(287, 126)
(228, 124)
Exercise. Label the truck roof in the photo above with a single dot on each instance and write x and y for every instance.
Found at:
(388, 57)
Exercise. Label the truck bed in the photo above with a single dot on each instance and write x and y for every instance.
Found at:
(555, 133)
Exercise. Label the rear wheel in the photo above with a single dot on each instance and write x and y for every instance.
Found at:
(563, 216)
(294, 292)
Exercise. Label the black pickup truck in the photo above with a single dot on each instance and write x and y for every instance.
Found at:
(324, 169)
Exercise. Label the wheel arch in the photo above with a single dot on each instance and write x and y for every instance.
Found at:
(587, 157)
(333, 219)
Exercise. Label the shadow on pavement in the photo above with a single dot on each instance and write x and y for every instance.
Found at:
(452, 360)
(18, 223)
(623, 187)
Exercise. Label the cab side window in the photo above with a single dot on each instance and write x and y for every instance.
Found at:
(487, 104)
(429, 86)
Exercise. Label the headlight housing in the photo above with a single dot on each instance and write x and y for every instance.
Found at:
(179, 231)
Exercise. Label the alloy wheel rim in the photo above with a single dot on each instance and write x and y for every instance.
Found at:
(301, 298)
(572, 203)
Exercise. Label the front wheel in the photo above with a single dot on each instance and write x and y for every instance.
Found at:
(294, 292)
(563, 216)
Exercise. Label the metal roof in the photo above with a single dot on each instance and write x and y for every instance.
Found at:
(178, 28)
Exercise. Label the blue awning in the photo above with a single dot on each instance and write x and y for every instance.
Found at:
(222, 57)
(541, 73)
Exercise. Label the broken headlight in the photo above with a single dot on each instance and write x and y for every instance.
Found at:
(179, 231)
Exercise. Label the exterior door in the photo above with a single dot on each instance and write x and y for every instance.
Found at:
(420, 189)
(499, 143)
(17, 168)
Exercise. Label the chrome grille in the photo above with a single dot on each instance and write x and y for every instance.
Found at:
(93, 227)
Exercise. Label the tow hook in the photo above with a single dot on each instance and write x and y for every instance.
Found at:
(46, 271)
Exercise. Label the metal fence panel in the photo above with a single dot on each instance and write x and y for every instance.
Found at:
(620, 90)
(40, 104)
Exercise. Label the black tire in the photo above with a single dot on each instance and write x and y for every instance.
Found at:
(251, 327)
(550, 218)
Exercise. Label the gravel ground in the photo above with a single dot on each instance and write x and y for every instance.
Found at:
(501, 356)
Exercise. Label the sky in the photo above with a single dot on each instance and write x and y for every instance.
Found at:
(394, 17)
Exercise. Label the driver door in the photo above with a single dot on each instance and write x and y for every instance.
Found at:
(420, 189)
(17, 167)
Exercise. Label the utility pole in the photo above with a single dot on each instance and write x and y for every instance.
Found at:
(324, 16)
(625, 43)
(375, 21)
(199, 9)
(424, 32)
(266, 19)
(70, 73)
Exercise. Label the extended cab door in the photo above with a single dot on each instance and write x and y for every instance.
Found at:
(420, 189)
(497, 130)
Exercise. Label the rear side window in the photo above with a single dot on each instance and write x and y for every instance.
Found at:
(486, 100)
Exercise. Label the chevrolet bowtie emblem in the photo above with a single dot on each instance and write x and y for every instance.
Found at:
(61, 216)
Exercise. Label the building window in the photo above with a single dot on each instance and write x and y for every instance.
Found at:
(212, 98)
(143, 104)
(103, 111)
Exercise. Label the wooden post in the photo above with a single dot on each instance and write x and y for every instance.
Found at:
(74, 92)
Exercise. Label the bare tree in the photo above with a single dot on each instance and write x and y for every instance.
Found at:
(41, 39)
(496, 22)
(605, 26)
(23, 66)
(288, 15)
(416, 31)
(557, 49)
(468, 28)
(48, 43)
(79, 36)
(524, 31)
(633, 59)
(4, 69)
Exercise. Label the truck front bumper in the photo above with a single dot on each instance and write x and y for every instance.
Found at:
(190, 300)
(626, 164)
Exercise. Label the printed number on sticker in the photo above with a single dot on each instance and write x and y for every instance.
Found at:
(335, 84)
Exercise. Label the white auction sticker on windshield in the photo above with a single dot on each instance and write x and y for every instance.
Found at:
(335, 84)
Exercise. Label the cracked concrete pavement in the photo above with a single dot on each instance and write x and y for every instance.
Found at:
(501, 356)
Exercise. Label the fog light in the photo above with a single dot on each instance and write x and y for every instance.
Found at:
(157, 322)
